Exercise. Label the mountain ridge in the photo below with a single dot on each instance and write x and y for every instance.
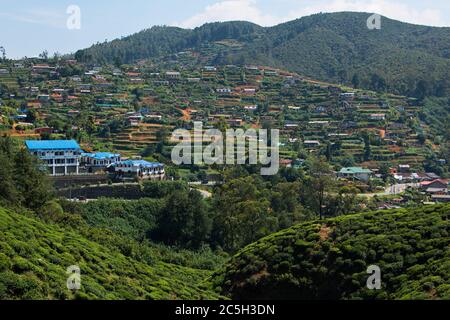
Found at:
(337, 47)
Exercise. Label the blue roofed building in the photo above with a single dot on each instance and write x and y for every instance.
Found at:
(140, 168)
(62, 157)
(99, 159)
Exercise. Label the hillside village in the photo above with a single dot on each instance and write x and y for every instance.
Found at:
(227, 162)
(117, 120)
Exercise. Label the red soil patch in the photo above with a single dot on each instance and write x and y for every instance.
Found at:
(186, 114)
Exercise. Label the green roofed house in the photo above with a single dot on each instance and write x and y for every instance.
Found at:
(357, 173)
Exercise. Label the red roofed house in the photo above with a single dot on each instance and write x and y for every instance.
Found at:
(286, 163)
(435, 187)
(438, 183)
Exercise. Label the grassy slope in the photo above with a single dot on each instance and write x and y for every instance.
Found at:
(329, 260)
(34, 257)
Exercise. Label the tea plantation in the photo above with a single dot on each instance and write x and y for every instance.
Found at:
(34, 257)
(329, 260)
(313, 260)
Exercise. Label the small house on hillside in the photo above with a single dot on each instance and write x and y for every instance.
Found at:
(347, 95)
(311, 143)
(173, 75)
(356, 173)
(441, 198)
(435, 184)
(224, 90)
(378, 116)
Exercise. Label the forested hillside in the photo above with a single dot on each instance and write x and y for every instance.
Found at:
(329, 259)
(400, 58)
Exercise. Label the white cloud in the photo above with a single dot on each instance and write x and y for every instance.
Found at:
(391, 9)
(248, 10)
(42, 17)
(230, 10)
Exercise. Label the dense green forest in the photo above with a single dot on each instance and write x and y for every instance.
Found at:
(337, 47)
(329, 259)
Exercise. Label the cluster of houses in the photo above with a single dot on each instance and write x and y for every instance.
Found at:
(238, 102)
(429, 184)
(65, 157)
(437, 190)
(311, 116)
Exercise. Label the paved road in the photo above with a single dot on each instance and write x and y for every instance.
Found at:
(391, 190)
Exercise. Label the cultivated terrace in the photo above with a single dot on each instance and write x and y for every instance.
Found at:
(132, 110)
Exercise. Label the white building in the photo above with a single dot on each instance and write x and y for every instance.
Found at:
(378, 116)
(62, 157)
(99, 159)
(210, 68)
(224, 90)
(140, 168)
(173, 75)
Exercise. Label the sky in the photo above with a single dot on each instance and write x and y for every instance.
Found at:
(28, 27)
